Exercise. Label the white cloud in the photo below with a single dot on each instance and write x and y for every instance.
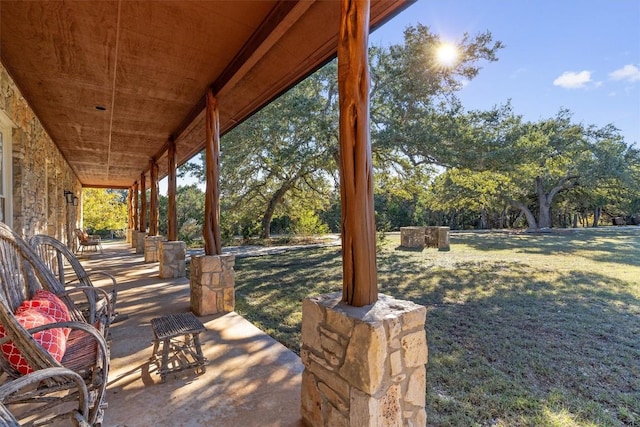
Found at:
(573, 80)
(628, 72)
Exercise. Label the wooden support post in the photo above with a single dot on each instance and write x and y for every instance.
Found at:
(135, 206)
(211, 229)
(153, 208)
(143, 203)
(360, 285)
(172, 213)
(130, 208)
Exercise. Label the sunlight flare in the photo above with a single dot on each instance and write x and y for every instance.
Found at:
(447, 55)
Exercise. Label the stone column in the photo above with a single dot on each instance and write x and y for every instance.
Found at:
(443, 239)
(139, 241)
(212, 284)
(152, 248)
(172, 259)
(364, 366)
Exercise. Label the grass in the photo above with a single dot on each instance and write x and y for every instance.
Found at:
(523, 330)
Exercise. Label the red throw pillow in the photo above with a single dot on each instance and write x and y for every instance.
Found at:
(52, 340)
(49, 304)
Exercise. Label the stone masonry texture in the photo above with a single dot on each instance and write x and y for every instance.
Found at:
(212, 282)
(40, 173)
(364, 366)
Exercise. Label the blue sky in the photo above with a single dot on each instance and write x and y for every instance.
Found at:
(580, 55)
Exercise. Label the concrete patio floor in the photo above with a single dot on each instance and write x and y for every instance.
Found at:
(250, 379)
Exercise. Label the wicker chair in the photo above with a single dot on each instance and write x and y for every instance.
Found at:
(57, 257)
(77, 414)
(88, 241)
(22, 274)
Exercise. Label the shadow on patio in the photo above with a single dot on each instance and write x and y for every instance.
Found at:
(250, 379)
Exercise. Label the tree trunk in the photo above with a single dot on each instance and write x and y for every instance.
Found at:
(575, 220)
(544, 217)
(544, 202)
(596, 216)
(483, 219)
(271, 208)
(524, 209)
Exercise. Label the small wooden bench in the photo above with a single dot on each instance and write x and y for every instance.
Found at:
(179, 334)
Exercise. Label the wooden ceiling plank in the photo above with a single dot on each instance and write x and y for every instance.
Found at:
(275, 25)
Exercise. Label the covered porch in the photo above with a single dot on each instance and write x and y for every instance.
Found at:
(250, 379)
(117, 95)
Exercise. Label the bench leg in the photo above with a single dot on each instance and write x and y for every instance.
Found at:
(166, 347)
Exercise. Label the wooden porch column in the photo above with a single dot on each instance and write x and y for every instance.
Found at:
(211, 280)
(172, 213)
(360, 285)
(135, 206)
(143, 203)
(153, 208)
(211, 229)
(130, 208)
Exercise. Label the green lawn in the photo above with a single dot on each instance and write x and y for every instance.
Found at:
(523, 330)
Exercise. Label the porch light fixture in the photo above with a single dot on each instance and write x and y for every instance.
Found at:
(68, 195)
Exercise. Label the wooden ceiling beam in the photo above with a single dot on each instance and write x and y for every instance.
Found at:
(276, 24)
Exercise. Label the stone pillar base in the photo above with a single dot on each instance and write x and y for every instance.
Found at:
(134, 238)
(443, 239)
(140, 236)
(364, 366)
(172, 259)
(212, 284)
(152, 248)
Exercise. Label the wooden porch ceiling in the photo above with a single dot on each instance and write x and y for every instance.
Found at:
(113, 81)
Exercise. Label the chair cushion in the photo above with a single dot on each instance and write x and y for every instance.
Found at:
(52, 340)
(49, 304)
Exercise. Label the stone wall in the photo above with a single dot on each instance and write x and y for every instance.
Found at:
(40, 173)
(364, 366)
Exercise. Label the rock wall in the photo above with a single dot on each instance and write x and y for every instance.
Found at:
(40, 172)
